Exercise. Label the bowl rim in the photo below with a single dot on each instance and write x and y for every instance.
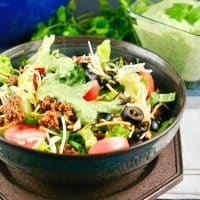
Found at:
(114, 42)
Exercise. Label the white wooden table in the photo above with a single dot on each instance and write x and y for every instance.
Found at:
(189, 188)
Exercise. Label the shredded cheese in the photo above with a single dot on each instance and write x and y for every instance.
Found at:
(52, 143)
(64, 136)
(48, 130)
(111, 89)
(111, 123)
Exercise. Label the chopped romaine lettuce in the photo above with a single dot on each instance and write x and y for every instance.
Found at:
(26, 89)
(43, 51)
(118, 130)
(161, 98)
(43, 146)
(88, 136)
(103, 51)
(164, 126)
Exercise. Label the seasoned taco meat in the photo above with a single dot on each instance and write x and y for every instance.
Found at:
(12, 110)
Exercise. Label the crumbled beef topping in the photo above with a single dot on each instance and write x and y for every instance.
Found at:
(51, 109)
(50, 103)
(50, 120)
(13, 80)
(12, 110)
(65, 108)
(69, 150)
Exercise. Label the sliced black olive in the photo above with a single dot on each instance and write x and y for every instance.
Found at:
(132, 114)
(155, 124)
(105, 115)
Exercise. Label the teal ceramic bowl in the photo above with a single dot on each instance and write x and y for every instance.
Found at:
(66, 169)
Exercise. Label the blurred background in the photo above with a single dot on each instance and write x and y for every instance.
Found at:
(18, 19)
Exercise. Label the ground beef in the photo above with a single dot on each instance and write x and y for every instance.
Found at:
(49, 103)
(65, 108)
(69, 150)
(51, 107)
(12, 110)
(13, 80)
(50, 120)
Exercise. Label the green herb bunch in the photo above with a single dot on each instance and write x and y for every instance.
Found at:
(109, 22)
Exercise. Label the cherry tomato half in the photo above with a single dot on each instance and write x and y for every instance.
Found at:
(108, 145)
(92, 93)
(149, 82)
(41, 70)
(24, 135)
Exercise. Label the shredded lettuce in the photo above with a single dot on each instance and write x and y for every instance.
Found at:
(5, 92)
(99, 59)
(134, 86)
(6, 69)
(42, 146)
(26, 89)
(52, 61)
(43, 51)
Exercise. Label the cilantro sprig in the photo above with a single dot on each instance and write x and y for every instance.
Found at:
(184, 11)
(109, 22)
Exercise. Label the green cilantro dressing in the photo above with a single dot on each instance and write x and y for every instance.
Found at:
(87, 111)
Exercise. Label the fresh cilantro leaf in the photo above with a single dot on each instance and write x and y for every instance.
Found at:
(70, 31)
(77, 75)
(193, 15)
(110, 22)
(72, 5)
(179, 11)
(117, 130)
(61, 14)
(103, 4)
